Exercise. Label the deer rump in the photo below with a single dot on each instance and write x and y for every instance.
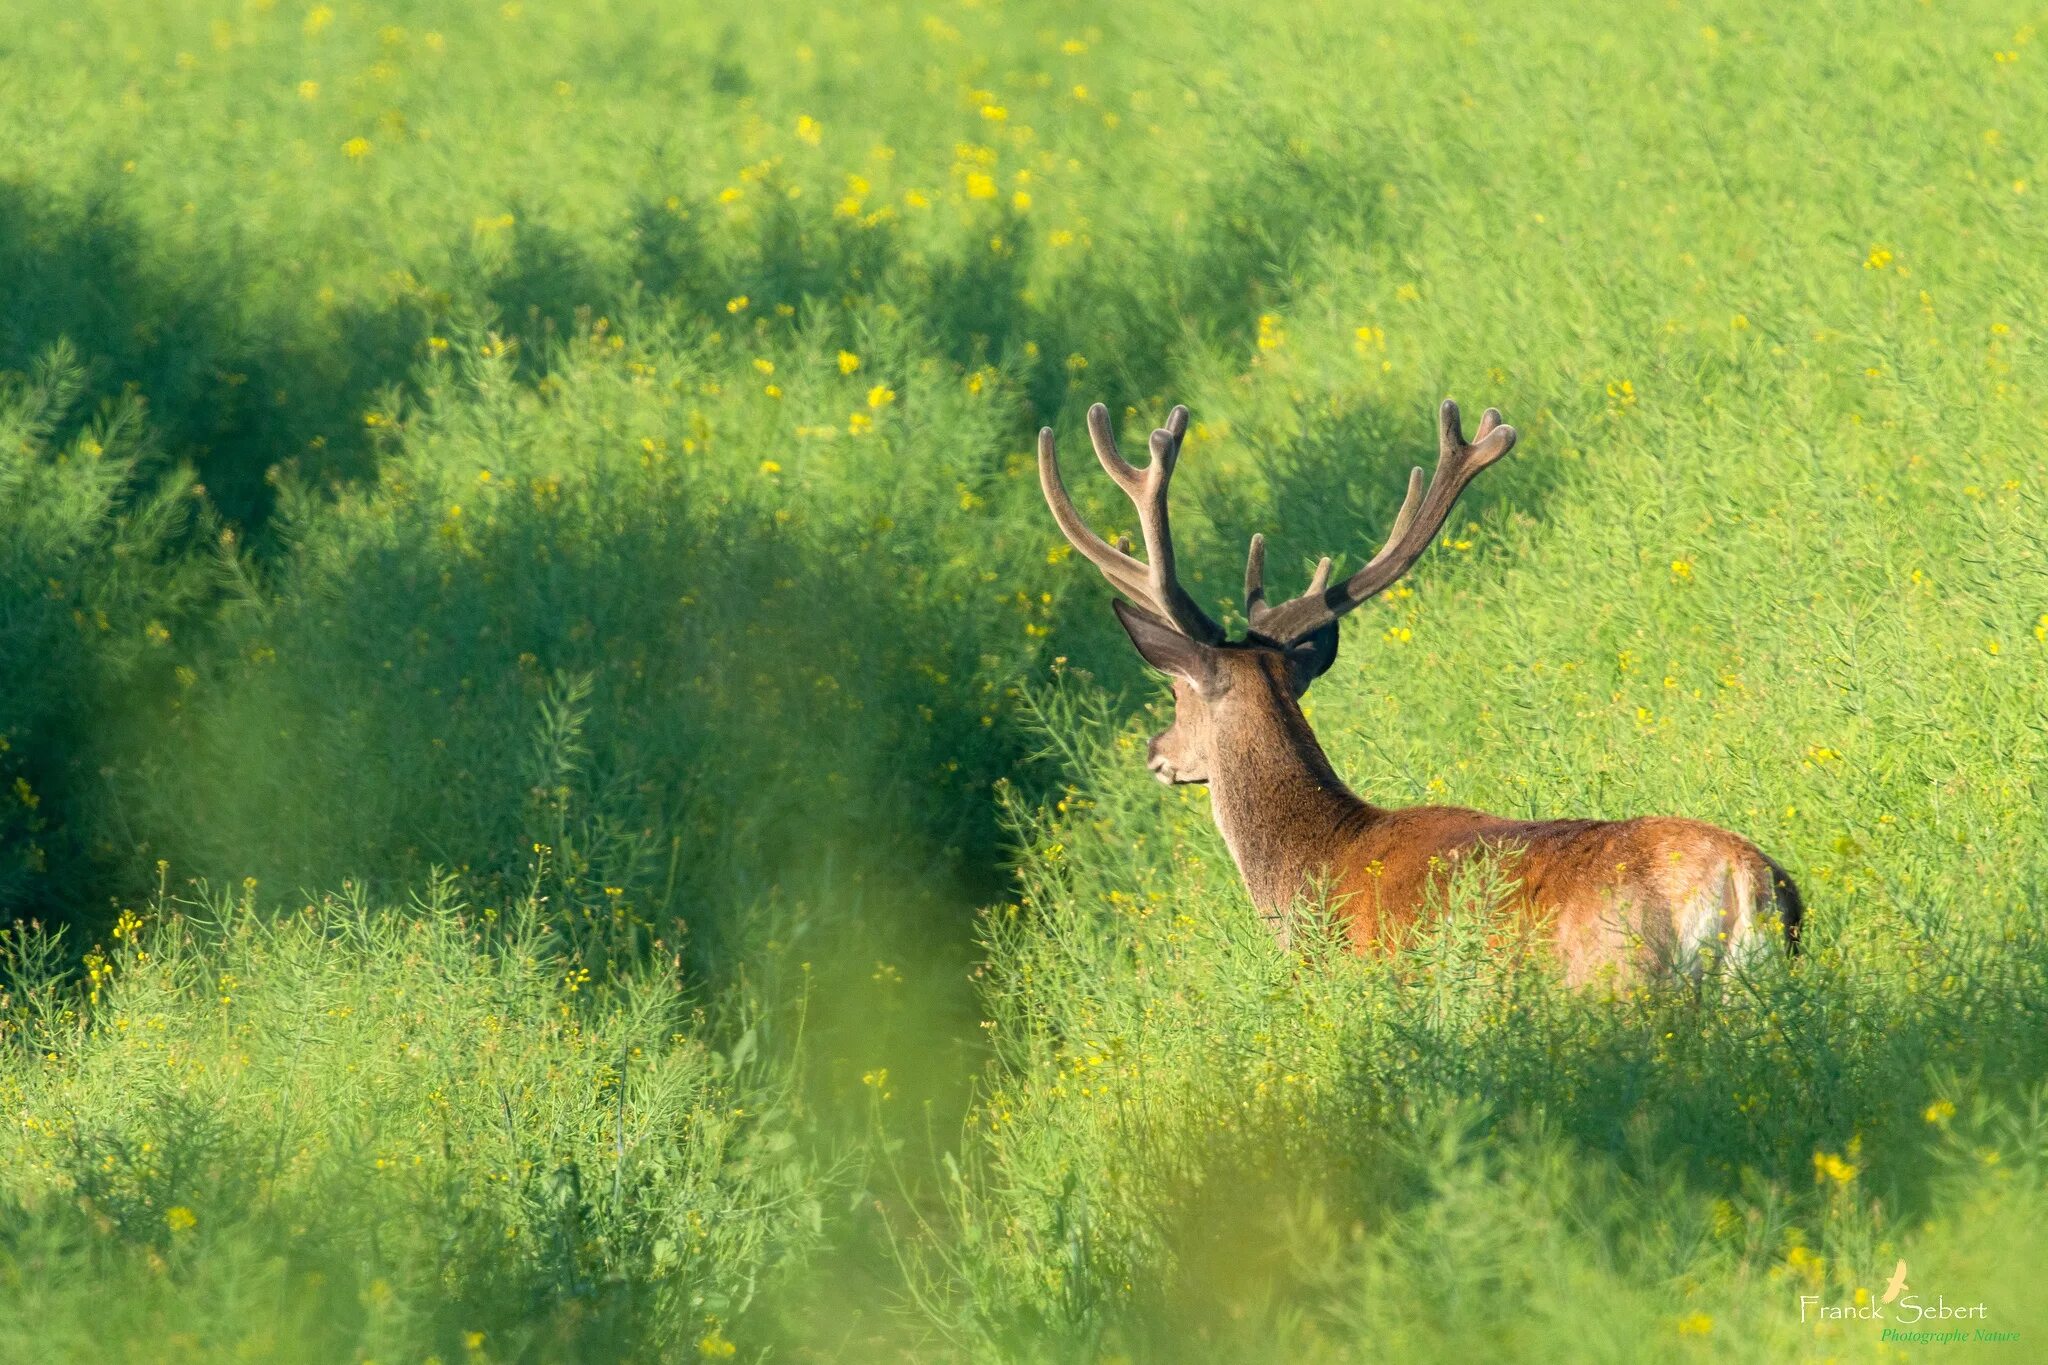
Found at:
(1636, 898)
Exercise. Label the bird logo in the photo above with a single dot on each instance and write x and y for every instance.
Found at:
(1898, 1284)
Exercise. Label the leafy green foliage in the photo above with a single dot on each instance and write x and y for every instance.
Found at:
(397, 1129)
(90, 575)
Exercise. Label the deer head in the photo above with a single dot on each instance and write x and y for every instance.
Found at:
(1229, 695)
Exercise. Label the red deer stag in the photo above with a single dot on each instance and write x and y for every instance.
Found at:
(1633, 895)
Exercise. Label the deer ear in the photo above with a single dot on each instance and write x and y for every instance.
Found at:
(1165, 648)
(1310, 657)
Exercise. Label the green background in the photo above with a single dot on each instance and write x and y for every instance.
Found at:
(561, 797)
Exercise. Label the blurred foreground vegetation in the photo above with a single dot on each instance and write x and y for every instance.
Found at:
(561, 798)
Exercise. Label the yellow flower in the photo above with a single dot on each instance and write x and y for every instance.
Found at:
(858, 423)
(809, 131)
(764, 365)
(178, 1218)
(737, 304)
(1878, 259)
(881, 396)
(770, 467)
(1941, 1111)
(318, 18)
(1020, 201)
(156, 633)
(356, 148)
(309, 90)
(713, 1346)
(1695, 1325)
(980, 185)
(1681, 568)
(1828, 1166)
(848, 362)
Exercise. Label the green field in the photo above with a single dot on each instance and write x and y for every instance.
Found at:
(563, 799)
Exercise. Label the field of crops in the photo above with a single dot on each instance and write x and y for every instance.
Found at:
(563, 799)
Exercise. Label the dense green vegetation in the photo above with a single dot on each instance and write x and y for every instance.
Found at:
(561, 797)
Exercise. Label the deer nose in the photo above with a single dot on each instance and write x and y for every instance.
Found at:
(1160, 764)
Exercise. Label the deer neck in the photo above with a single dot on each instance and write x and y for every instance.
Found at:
(1281, 807)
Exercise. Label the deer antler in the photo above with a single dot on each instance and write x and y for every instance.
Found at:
(1150, 583)
(1415, 525)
